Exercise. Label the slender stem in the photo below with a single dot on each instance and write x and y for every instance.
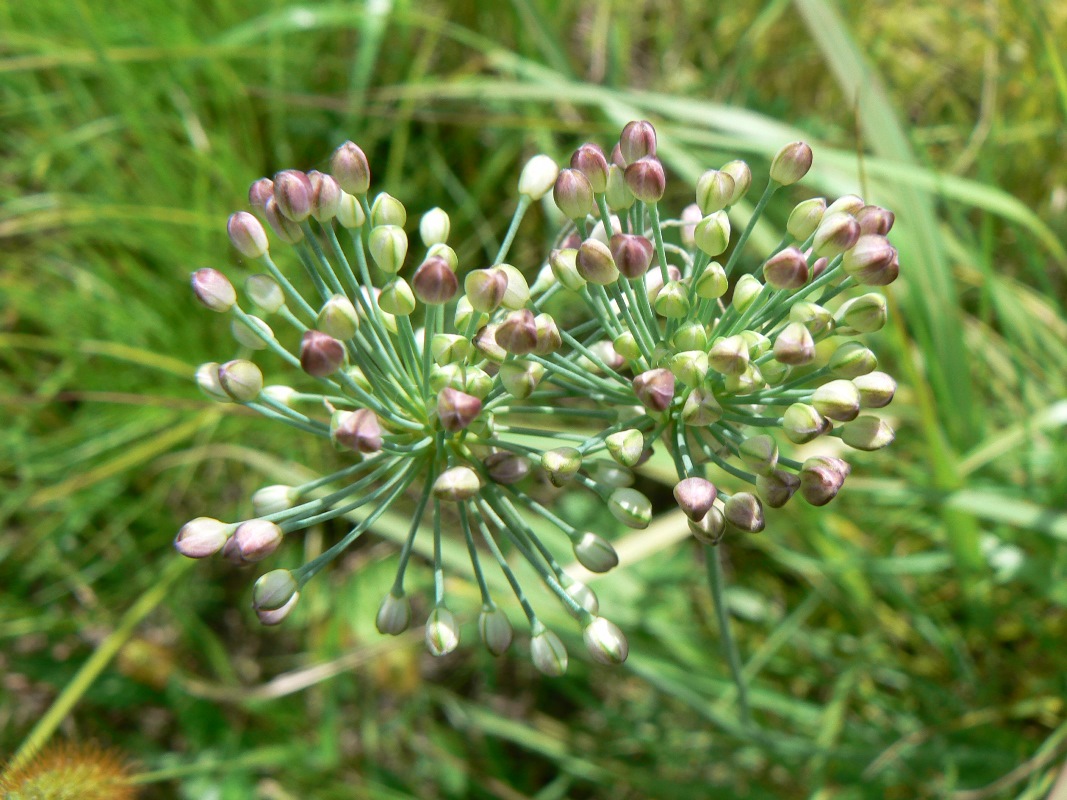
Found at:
(657, 235)
(520, 211)
(716, 583)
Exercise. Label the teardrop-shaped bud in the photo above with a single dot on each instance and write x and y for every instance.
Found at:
(794, 345)
(397, 298)
(851, 360)
(744, 511)
(805, 218)
(320, 355)
(449, 348)
(712, 283)
(548, 653)
(457, 484)
(618, 194)
(338, 318)
(605, 642)
(689, 366)
(251, 332)
(729, 355)
(632, 254)
(283, 227)
(791, 163)
(357, 430)
(549, 339)
(274, 590)
(695, 496)
(388, 245)
(590, 160)
(434, 227)
(259, 192)
(864, 314)
(872, 261)
(485, 343)
(837, 232)
(495, 630)
(485, 288)
(712, 234)
(519, 378)
(846, 204)
(241, 380)
(654, 281)
(325, 196)
(442, 632)
(292, 193)
(256, 539)
(776, 487)
(506, 468)
(876, 389)
(387, 210)
(714, 191)
(349, 166)
(760, 453)
(786, 269)
(655, 389)
(573, 194)
(802, 423)
(821, 478)
(838, 400)
(875, 219)
(538, 176)
(394, 615)
(646, 179)
(701, 408)
(564, 265)
(272, 499)
(434, 282)
(517, 334)
(265, 292)
(637, 141)
(868, 433)
(583, 596)
(626, 446)
(672, 301)
(595, 263)
(690, 336)
(710, 528)
(630, 507)
(456, 409)
(595, 553)
(350, 213)
(213, 289)
(202, 537)
(561, 464)
(742, 175)
(247, 235)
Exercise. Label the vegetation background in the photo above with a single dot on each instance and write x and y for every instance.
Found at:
(905, 642)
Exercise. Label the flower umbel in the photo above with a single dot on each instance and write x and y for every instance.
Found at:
(456, 390)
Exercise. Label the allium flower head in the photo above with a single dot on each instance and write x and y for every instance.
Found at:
(461, 402)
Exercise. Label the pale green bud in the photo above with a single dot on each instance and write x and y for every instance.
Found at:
(794, 345)
(791, 163)
(449, 348)
(442, 632)
(241, 380)
(457, 484)
(338, 318)
(465, 313)
(272, 499)
(865, 314)
(729, 355)
(252, 332)
(548, 653)
(387, 210)
(444, 252)
(774, 372)
(746, 291)
(758, 344)
(264, 291)
(397, 298)
(561, 464)
(605, 642)
(595, 263)
(520, 378)
(608, 473)
(868, 433)
(672, 301)
(751, 380)
(538, 177)
(814, 317)
(495, 627)
(618, 194)
(846, 204)
(690, 336)
(583, 596)
(595, 553)
(285, 395)
(690, 367)
(760, 453)
(838, 400)
(876, 389)
(712, 283)
(802, 423)
(549, 339)
(274, 590)
(207, 378)
(517, 291)
(701, 408)
(626, 447)
(434, 227)
(851, 360)
(712, 234)
(485, 343)
(742, 175)
(564, 264)
(630, 507)
(805, 218)
(715, 189)
(478, 383)
(388, 247)
(350, 213)
(394, 615)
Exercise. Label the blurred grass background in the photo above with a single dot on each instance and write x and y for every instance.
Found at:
(907, 641)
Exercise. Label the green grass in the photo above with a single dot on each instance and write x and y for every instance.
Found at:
(904, 642)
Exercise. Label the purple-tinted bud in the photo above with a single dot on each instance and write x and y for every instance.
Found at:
(320, 355)
(247, 235)
(457, 409)
(819, 267)
(655, 389)
(872, 261)
(202, 537)
(256, 539)
(485, 288)
(590, 160)
(836, 233)
(710, 528)
(349, 166)
(875, 219)
(325, 196)
(213, 289)
(292, 193)
(434, 282)
(457, 484)
(787, 269)
(507, 468)
(791, 163)
(595, 263)
(277, 616)
(573, 194)
(517, 334)
(283, 227)
(690, 217)
(637, 141)
(646, 179)
(776, 487)
(695, 496)
(745, 511)
(729, 355)
(548, 336)
(794, 345)
(821, 478)
(632, 254)
(260, 192)
(357, 430)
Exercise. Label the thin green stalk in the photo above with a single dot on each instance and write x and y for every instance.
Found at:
(716, 583)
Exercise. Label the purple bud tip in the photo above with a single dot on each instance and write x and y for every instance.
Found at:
(260, 192)
(435, 283)
(292, 193)
(256, 539)
(655, 389)
(637, 141)
(632, 254)
(247, 235)
(573, 194)
(320, 355)
(590, 160)
(359, 430)
(646, 179)
(695, 497)
(457, 409)
(349, 166)
(213, 289)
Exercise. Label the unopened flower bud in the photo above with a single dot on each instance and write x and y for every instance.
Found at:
(573, 194)
(349, 166)
(777, 487)
(564, 264)
(605, 642)
(715, 189)
(654, 281)
(277, 615)
(846, 204)
(467, 317)
(434, 227)
(802, 423)
(791, 163)
(548, 336)
(241, 380)
(443, 251)
(338, 318)
(495, 629)
(561, 464)
(397, 298)
(876, 389)
(866, 314)
(213, 289)
(485, 288)
(805, 218)
(742, 175)
(632, 254)
(260, 192)
(394, 615)
(434, 282)
(485, 342)
(689, 218)
(207, 378)
(729, 355)
(710, 528)
(672, 301)
(814, 317)
(350, 213)
(646, 179)
(630, 507)
(256, 539)
(851, 360)
(836, 233)
(457, 484)
(838, 400)
(868, 433)
(875, 219)
(274, 590)
(325, 196)
(786, 269)
(626, 446)
(517, 334)
(293, 194)
(456, 409)
(247, 235)
(794, 345)
(202, 537)
(264, 291)
(283, 395)
(872, 261)
(388, 245)
(637, 141)
(690, 336)
(284, 228)
(751, 380)
(590, 160)
(618, 194)
(760, 453)
(387, 210)
(272, 499)
(608, 473)
(251, 332)
(595, 263)
(595, 553)
(519, 377)
(506, 468)
(548, 653)
(695, 496)
(712, 283)
(442, 632)
(821, 478)
(746, 290)
(655, 389)
(701, 408)
(745, 511)
(449, 348)
(320, 354)
(538, 177)
(357, 430)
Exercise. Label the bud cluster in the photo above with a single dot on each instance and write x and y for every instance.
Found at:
(453, 387)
